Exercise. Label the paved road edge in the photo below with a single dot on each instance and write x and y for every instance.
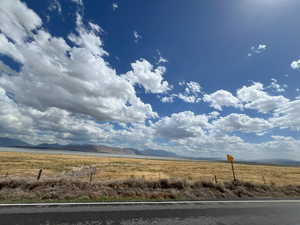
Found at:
(145, 203)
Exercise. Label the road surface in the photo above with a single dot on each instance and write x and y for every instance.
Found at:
(206, 213)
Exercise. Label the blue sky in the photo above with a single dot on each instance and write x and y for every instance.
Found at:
(201, 78)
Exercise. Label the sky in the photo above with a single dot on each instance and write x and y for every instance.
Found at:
(198, 78)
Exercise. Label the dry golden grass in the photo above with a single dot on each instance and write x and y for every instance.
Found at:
(26, 165)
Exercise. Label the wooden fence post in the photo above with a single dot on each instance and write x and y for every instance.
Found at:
(39, 174)
(92, 173)
(91, 177)
(264, 179)
(216, 180)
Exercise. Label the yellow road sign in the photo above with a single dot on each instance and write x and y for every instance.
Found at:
(230, 158)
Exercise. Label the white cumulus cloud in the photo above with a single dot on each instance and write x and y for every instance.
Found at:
(222, 98)
(181, 125)
(254, 97)
(287, 115)
(144, 74)
(242, 123)
(76, 79)
(17, 21)
(295, 65)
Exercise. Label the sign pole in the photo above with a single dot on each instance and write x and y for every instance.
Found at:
(230, 159)
(233, 172)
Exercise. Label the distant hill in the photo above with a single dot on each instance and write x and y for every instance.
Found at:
(160, 153)
(284, 162)
(108, 150)
(89, 148)
(10, 142)
(101, 149)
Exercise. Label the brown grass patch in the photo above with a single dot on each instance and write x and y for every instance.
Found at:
(26, 165)
(137, 189)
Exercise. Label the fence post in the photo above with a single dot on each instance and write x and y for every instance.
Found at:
(91, 177)
(39, 174)
(264, 179)
(216, 180)
(92, 173)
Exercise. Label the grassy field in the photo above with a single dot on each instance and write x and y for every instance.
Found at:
(26, 165)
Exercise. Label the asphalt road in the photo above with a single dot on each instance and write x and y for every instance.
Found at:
(206, 213)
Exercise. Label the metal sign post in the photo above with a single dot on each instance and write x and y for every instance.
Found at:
(230, 159)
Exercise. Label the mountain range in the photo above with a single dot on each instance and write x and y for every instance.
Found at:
(9, 142)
